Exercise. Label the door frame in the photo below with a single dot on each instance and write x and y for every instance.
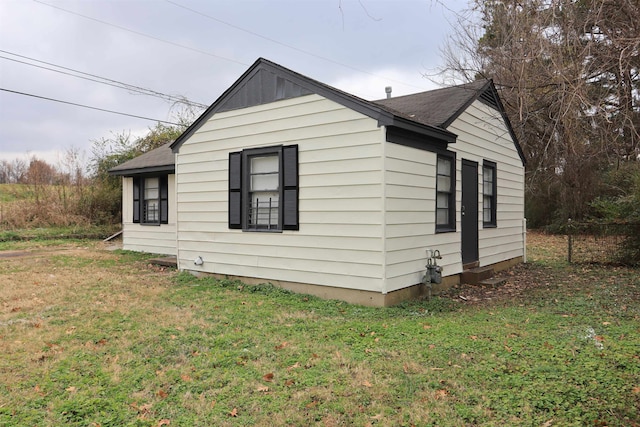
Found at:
(469, 215)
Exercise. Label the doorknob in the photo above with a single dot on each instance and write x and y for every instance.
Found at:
(462, 210)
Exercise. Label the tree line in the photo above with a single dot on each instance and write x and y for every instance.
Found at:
(568, 74)
(33, 170)
(77, 191)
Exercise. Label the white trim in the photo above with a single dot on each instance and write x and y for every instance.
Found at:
(383, 212)
(524, 240)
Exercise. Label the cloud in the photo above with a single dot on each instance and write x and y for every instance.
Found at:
(372, 87)
(317, 39)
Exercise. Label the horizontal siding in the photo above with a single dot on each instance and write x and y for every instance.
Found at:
(410, 218)
(340, 238)
(482, 135)
(299, 272)
(352, 191)
(157, 239)
(277, 254)
(410, 200)
(153, 239)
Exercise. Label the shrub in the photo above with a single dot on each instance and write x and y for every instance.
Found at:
(620, 203)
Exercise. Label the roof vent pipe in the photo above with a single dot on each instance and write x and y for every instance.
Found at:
(388, 90)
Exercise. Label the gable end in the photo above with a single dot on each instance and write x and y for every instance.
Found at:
(262, 87)
(265, 82)
(488, 97)
(487, 87)
(496, 103)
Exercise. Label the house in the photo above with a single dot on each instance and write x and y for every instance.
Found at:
(149, 202)
(286, 180)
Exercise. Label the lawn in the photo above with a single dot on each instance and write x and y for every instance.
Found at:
(90, 337)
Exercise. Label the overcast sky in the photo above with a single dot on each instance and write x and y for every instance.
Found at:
(194, 49)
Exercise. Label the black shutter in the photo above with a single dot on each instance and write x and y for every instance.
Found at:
(235, 190)
(136, 198)
(164, 200)
(290, 188)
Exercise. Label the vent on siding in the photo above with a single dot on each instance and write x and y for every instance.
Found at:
(489, 98)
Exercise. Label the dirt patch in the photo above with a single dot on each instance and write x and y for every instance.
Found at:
(14, 254)
(67, 249)
(520, 280)
(42, 252)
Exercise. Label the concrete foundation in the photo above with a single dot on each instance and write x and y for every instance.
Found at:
(367, 298)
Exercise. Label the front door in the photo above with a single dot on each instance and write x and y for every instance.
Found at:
(469, 212)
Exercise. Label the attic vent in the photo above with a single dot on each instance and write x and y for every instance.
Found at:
(488, 97)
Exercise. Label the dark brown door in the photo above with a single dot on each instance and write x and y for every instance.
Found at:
(469, 212)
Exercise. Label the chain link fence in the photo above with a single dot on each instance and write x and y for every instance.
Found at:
(603, 243)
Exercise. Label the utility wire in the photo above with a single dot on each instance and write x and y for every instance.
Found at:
(103, 80)
(219, 56)
(235, 61)
(89, 107)
(306, 52)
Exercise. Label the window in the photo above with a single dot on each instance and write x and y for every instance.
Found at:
(445, 194)
(263, 189)
(150, 200)
(489, 205)
(264, 192)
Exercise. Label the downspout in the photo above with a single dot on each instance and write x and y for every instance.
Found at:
(175, 198)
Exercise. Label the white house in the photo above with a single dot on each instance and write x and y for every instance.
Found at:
(149, 202)
(286, 180)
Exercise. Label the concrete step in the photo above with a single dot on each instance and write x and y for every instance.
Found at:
(474, 276)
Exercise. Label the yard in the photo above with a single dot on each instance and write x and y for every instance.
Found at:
(99, 338)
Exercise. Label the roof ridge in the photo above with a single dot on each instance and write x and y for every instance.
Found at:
(460, 86)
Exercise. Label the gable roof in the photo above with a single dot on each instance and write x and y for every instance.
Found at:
(266, 81)
(440, 107)
(427, 114)
(160, 159)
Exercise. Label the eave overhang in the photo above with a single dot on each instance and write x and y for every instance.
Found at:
(154, 170)
(384, 116)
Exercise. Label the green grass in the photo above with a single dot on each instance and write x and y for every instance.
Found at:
(12, 192)
(52, 236)
(115, 342)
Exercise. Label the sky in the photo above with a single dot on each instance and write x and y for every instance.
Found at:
(192, 49)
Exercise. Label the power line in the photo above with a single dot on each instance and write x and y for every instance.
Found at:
(306, 52)
(219, 56)
(145, 35)
(89, 107)
(103, 80)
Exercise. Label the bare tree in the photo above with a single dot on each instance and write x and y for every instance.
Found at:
(18, 171)
(5, 172)
(567, 71)
(40, 172)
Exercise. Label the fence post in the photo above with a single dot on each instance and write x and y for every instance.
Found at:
(569, 240)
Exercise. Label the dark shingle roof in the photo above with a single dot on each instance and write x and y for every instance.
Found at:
(426, 113)
(160, 159)
(246, 98)
(437, 107)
